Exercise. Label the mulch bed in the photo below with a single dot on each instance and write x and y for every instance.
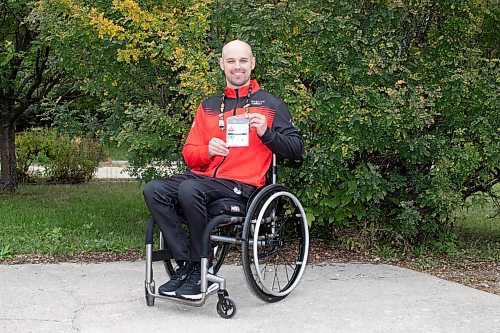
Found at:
(479, 275)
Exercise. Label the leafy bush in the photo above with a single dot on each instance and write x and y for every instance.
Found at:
(49, 156)
(397, 100)
(155, 152)
(398, 103)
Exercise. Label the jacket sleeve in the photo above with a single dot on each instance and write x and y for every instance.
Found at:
(283, 138)
(195, 149)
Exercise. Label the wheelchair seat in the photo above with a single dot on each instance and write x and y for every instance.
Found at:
(226, 206)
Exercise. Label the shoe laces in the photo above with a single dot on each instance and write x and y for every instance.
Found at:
(194, 276)
(180, 272)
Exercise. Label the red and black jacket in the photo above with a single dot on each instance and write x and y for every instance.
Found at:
(245, 164)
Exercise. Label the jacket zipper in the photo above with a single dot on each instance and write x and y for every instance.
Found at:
(234, 114)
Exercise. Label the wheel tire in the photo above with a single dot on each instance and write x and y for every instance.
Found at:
(277, 221)
(226, 308)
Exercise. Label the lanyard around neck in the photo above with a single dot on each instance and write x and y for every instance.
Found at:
(222, 104)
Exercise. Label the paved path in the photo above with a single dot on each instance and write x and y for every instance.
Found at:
(112, 170)
(112, 173)
(109, 297)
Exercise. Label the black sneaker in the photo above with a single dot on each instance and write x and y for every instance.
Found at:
(176, 280)
(191, 289)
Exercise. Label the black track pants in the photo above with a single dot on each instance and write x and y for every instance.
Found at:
(192, 193)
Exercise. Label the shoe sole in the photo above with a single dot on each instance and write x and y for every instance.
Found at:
(190, 297)
(168, 293)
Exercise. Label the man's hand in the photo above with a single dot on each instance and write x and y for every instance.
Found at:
(217, 147)
(258, 121)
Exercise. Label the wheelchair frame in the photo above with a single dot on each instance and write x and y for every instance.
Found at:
(262, 238)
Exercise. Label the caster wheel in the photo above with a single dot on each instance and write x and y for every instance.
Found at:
(226, 308)
(150, 300)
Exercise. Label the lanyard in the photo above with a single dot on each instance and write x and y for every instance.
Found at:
(221, 113)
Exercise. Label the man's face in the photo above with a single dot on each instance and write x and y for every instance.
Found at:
(237, 63)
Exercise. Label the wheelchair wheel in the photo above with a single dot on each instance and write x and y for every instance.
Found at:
(276, 243)
(226, 308)
(219, 253)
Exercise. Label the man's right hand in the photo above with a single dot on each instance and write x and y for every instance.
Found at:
(217, 147)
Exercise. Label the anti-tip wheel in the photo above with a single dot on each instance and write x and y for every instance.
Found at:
(226, 308)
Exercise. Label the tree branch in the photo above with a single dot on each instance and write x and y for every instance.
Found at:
(39, 69)
(482, 187)
(49, 86)
(68, 97)
(4, 19)
(16, 17)
(21, 43)
(23, 84)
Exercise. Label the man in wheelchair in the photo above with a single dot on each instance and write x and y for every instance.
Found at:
(229, 150)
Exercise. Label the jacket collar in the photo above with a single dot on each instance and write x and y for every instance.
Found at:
(243, 91)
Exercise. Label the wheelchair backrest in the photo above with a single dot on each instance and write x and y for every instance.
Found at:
(272, 172)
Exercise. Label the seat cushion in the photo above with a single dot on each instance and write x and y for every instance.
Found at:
(226, 206)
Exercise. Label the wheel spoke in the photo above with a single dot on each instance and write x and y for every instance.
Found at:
(276, 279)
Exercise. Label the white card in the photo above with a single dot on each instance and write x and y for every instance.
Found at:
(237, 129)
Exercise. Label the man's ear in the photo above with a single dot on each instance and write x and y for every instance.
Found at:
(253, 63)
(221, 63)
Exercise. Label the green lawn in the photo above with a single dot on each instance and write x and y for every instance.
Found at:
(112, 216)
(115, 153)
(478, 229)
(67, 219)
(480, 218)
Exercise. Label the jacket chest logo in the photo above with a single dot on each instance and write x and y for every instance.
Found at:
(257, 102)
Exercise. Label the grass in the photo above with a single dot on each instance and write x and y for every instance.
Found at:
(115, 153)
(475, 241)
(68, 219)
(112, 216)
(479, 219)
(478, 230)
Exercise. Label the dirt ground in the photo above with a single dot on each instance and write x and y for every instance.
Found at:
(479, 275)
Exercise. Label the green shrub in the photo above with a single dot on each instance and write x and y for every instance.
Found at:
(48, 156)
(30, 150)
(398, 104)
(397, 101)
(152, 138)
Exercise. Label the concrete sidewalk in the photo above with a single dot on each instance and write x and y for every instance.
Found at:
(113, 170)
(107, 170)
(109, 297)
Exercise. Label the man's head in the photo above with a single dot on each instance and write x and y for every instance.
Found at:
(237, 62)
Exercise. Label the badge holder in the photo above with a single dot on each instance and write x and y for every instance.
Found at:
(237, 131)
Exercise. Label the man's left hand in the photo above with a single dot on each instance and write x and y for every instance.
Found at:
(259, 122)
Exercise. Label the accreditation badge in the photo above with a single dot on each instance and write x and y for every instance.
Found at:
(238, 129)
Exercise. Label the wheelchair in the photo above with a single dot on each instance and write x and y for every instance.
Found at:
(271, 229)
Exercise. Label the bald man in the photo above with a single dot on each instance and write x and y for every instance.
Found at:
(229, 150)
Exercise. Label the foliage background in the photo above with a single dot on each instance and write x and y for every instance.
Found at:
(397, 100)
(59, 158)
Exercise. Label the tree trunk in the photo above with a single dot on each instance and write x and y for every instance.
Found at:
(8, 181)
